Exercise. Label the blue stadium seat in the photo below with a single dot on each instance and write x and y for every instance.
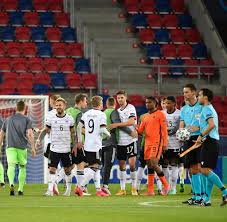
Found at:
(46, 19)
(38, 34)
(40, 88)
(185, 21)
(44, 49)
(82, 65)
(139, 21)
(162, 36)
(199, 51)
(58, 80)
(153, 51)
(177, 71)
(7, 33)
(25, 5)
(163, 6)
(16, 18)
(68, 34)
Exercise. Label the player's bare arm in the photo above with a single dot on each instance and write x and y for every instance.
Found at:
(79, 134)
(31, 140)
(130, 122)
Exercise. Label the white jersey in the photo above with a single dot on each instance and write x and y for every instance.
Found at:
(50, 114)
(173, 121)
(128, 112)
(93, 120)
(60, 132)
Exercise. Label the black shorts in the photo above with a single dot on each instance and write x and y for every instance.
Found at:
(126, 152)
(171, 156)
(55, 158)
(193, 157)
(93, 157)
(142, 161)
(80, 156)
(47, 152)
(209, 153)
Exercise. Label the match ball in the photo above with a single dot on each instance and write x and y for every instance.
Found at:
(183, 134)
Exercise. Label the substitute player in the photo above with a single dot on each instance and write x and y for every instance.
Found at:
(155, 128)
(210, 146)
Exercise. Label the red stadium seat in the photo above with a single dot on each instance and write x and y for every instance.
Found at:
(40, 5)
(9, 5)
(75, 50)
(207, 71)
(73, 81)
(147, 6)
(177, 36)
(217, 99)
(29, 49)
(192, 71)
(170, 21)
(4, 19)
(51, 65)
(161, 70)
(136, 100)
(31, 19)
(42, 78)
(146, 36)
(8, 76)
(25, 88)
(89, 81)
(223, 130)
(59, 50)
(25, 77)
(185, 51)
(132, 6)
(19, 64)
(8, 88)
(53, 34)
(177, 6)
(13, 49)
(2, 49)
(66, 65)
(154, 21)
(169, 51)
(35, 64)
(5, 65)
(55, 5)
(192, 36)
(62, 19)
(22, 34)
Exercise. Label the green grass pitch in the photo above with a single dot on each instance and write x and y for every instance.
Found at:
(34, 207)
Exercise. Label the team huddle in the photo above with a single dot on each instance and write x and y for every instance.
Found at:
(84, 142)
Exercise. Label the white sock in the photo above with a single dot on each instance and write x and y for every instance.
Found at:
(80, 176)
(122, 176)
(166, 173)
(139, 177)
(133, 178)
(74, 171)
(68, 180)
(181, 174)
(170, 173)
(49, 180)
(89, 175)
(173, 183)
(52, 182)
(97, 178)
(60, 175)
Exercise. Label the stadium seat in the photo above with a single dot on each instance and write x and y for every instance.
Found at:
(139, 21)
(169, 51)
(225, 100)
(40, 88)
(68, 34)
(4, 19)
(192, 71)
(16, 18)
(8, 88)
(2, 49)
(66, 65)
(199, 51)
(82, 65)
(74, 50)
(5, 65)
(19, 64)
(44, 49)
(40, 5)
(154, 21)
(7, 34)
(170, 21)
(38, 34)
(61, 19)
(58, 80)
(185, 51)
(29, 49)
(46, 19)
(51, 65)
(13, 49)
(153, 51)
(132, 6)
(89, 81)
(31, 19)
(59, 50)
(177, 6)
(42, 78)
(9, 5)
(223, 130)
(207, 71)
(146, 36)
(53, 34)
(163, 6)
(8, 76)
(73, 81)
(26, 87)
(185, 21)
(35, 65)
(177, 36)
(26, 76)
(147, 6)
(25, 5)
(160, 70)
(162, 36)
(136, 100)
(192, 36)
(55, 5)
(176, 71)
(180, 100)
(23, 34)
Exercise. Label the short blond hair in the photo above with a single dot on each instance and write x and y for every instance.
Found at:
(96, 101)
(60, 99)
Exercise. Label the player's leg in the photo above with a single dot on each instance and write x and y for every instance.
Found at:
(11, 154)
(174, 161)
(165, 165)
(140, 170)
(2, 181)
(182, 175)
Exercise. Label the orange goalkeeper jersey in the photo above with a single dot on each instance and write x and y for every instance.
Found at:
(154, 126)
